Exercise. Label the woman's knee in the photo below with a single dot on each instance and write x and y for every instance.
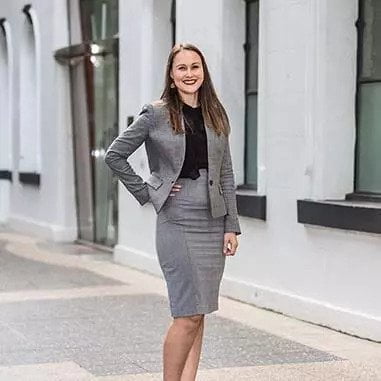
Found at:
(190, 323)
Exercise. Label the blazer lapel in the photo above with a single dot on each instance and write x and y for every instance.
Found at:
(215, 145)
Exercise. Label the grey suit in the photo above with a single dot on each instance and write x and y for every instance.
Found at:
(166, 151)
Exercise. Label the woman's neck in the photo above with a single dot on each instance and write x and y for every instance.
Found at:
(190, 99)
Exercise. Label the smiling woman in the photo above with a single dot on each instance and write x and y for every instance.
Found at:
(192, 189)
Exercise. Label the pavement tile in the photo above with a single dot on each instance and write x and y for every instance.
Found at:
(17, 273)
(65, 371)
(123, 334)
(345, 370)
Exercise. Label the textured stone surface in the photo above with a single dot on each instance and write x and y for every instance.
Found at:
(18, 273)
(123, 334)
(77, 249)
(67, 314)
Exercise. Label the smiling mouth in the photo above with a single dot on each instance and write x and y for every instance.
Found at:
(190, 82)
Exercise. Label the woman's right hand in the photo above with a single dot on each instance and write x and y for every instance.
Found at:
(176, 188)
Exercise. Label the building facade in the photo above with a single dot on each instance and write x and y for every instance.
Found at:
(301, 82)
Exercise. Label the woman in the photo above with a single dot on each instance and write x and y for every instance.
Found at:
(192, 190)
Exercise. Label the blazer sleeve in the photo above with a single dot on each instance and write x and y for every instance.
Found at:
(126, 144)
(228, 191)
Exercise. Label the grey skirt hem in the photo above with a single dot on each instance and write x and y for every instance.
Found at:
(199, 311)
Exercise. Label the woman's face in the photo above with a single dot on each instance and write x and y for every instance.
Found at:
(187, 72)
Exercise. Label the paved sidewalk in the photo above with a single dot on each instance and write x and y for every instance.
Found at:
(67, 312)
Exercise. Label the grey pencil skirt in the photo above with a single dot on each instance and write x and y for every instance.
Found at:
(189, 245)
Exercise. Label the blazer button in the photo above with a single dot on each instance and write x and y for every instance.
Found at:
(210, 182)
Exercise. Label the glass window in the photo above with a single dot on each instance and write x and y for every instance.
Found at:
(251, 92)
(368, 153)
(99, 19)
(173, 21)
(93, 58)
(93, 20)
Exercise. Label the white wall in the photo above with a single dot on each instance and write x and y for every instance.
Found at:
(48, 210)
(6, 65)
(145, 42)
(307, 77)
(29, 95)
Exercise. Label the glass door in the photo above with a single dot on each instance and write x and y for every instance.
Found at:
(94, 93)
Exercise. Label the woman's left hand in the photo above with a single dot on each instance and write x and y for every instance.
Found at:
(230, 243)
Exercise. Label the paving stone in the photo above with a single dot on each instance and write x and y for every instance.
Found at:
(113, 335)
(78, 250)
(18, 273)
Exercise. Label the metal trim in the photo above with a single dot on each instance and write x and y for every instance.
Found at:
(248, 92)
(360, 26)
(173, 21)
(340, 216)
(26, 10)
(6, 175)
(87, 49)
(31, 178)
(250, 205)
(2, 27)
(363, 196)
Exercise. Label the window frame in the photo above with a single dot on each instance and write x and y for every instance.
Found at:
(247, 93)
(249, 202)
(173, 21)
(357, 194)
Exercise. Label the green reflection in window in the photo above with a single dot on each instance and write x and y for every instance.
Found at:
(368, 160)
(99, 19)
(251, 92)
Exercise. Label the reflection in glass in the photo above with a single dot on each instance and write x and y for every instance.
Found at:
(99, 19)
(368, 155)
(105, 130)
(93, 60)
(369, 139)
(94, 93)
(371, 40)
(252, 20)
(252, 42)
(251, 137)
(93, 20)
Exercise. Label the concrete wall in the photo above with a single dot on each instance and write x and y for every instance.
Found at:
(307, 78)
(145, 41)
(48, 210)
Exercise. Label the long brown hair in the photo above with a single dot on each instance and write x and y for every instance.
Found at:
(212, 110)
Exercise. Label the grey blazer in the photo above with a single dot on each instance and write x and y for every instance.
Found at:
(166, 152)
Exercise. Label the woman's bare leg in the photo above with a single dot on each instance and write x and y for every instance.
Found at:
(193, 359)
(177, 345)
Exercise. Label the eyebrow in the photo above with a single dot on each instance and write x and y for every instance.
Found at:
(193, 63)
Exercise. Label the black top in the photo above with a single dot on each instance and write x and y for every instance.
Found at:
(196, 149)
